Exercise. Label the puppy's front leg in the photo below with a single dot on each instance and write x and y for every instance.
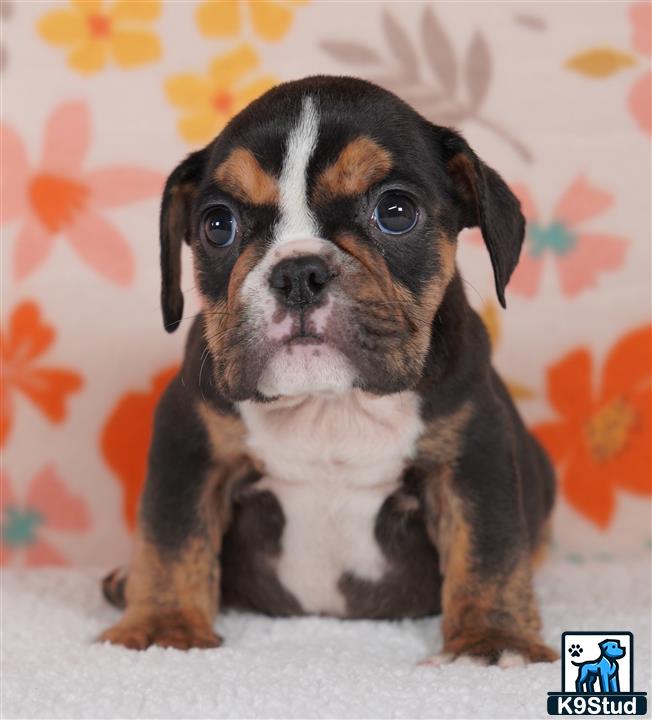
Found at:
(476, 518)
(172, 587)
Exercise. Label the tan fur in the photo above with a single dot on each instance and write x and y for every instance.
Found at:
(222, 319)
(542, 550)
(440, 443)
(172, 600)
(220, 332)
(393, 303)
(243, 266)
(226, 434)
(242, 176)
(361, 164)
(389, 302)
(464, 176)
(423, 311)
(179, 211)
(434, 291)
(482, 616)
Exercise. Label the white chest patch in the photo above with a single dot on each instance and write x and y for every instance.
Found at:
(331, 460)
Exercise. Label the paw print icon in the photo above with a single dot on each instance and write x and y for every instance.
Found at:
(575, 650)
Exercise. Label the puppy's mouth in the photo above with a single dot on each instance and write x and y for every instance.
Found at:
(305, 338)
(302, 355)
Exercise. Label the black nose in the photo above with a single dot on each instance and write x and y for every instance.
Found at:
(300, 281)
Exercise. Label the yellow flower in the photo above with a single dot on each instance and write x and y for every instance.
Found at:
(271, 19)
(93, 33)
(209, 101)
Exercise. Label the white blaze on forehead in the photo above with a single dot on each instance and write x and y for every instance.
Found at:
(295, 216)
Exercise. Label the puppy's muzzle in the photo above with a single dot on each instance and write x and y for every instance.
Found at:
(299, 282)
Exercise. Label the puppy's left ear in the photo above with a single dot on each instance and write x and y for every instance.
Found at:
(174, 228)
(486, 203)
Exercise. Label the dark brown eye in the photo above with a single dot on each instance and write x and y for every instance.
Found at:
(395, 213)
(219, 226)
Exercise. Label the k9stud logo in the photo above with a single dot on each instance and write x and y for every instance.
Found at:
(597, 676)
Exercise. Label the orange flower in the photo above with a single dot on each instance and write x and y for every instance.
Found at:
(209, 100)
(270, 19)
(92, 33)
(126, 437)
(59, 197)
(48, 388)
(602, 441)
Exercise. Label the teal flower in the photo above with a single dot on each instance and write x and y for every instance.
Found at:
(26, 526)
(579, 256)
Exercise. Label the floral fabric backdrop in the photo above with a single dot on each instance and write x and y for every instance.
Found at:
(101, 99)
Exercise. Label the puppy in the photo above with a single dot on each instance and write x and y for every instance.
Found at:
(336, 441)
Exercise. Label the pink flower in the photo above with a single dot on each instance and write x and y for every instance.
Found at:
(60, 198)
(640, 101)
(27, 525)
(640, 96)
(579, 255)
(641, 16)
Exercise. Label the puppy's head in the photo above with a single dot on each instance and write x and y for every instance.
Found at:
(323, 222)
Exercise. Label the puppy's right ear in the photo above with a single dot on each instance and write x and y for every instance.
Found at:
(486, 202)
(176, 207)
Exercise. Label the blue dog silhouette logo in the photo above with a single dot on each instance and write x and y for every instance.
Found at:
(604, 669)
(597, 675)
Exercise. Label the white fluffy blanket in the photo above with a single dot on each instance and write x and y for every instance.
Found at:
(290, 668)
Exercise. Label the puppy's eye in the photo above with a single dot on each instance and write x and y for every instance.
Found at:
(219, 226)
(395, 213)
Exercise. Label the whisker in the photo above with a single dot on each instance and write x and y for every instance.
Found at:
(385, 302)
(211, 313)
(201, 370)
(466, 282)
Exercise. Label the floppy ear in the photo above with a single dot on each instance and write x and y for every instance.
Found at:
(174, 228)
(487, 203)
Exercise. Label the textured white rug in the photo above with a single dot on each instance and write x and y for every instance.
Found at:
(291, 668)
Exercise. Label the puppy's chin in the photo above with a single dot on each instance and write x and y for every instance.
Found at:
(306, 368)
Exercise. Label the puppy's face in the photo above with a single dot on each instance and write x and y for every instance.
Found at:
(323, 223)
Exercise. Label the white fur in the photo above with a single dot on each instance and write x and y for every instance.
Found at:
(331, 460)
(296, 231)
(296, 220)
(260, 302)
(437, 660)
(295, 369)
(511, 659)
(442, 659)
(310, 368)
(508, 659)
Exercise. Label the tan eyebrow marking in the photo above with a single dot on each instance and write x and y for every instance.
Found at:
(361, 163)
(242, 176)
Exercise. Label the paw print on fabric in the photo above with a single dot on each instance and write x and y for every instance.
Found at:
(575, 650)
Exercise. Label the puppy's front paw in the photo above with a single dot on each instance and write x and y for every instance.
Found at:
(494, 647)
(169, 629)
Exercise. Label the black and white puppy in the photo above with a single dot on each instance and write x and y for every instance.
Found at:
(337, 441)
